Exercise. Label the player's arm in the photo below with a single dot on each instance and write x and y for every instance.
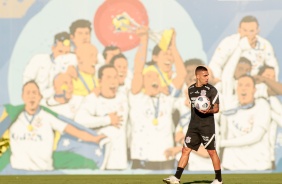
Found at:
(84, 136)
(179, 66)
(139, 61)
(270, 59)
(276, 87)
(31, 69)
(257, 131)
(86, 114)
(221, 55)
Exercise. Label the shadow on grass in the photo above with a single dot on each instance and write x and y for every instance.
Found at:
(199, 181)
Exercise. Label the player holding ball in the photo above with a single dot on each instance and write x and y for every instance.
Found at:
(202, 126)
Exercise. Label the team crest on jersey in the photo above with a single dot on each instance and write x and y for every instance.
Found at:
(203, 92)
(188, 139)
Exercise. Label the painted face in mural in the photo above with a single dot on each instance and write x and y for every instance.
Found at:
(249, 30)
(246, 90)
(31, 97)
(269, 73)
(81, 36)
(111, 54)
(164, 60)
(109, 82)
(87, 58)
(190, 76)
(60, 48)
(242, 68)
(152, 83)
(121, 65)
(202, 77)
(63, 85)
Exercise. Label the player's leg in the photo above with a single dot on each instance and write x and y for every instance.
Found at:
(209, 143)
(192, 141)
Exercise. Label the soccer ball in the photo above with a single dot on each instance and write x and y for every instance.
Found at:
(202, 103)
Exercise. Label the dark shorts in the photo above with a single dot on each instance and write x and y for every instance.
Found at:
(193, 140)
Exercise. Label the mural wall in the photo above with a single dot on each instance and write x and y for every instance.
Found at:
(101, 86)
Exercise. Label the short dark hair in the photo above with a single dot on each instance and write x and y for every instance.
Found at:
(112, 61)
(60, 37)
(30, 82)
(193, 61)
(156, 51)
(245, 60)
(200, 68)
(104, 67)
(248, 76)
(81, 23)
(109, 48)
(249, 18)
(263, 68)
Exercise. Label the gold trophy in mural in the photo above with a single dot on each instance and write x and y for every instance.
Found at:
(124, 23)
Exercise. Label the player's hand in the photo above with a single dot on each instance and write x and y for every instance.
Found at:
(115, 119)
(142, 32)
(179, 137)
(171, 152)
(164, 90)
(96, 91)
(72, 72)
(206, 111)
(253, 42)
(98, 138)
(258, 79)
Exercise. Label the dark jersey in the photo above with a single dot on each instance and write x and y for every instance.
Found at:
(200, 121)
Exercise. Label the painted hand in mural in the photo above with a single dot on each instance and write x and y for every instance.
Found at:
(21, 8)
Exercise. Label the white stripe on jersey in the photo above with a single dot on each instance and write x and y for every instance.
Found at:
(215, 98)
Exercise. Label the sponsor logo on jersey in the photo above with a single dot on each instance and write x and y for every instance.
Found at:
(203, 92)
(197, 92)
(206, 138)
(207, 87)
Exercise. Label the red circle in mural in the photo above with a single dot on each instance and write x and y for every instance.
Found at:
(105, 29)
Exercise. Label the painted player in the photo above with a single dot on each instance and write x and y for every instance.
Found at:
(151, 119)
(201, 128)
(32, 133)
(251, 46)
(41, 67)
(247, 130)
(108, 113)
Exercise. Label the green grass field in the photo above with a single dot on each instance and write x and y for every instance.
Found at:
(140, 179)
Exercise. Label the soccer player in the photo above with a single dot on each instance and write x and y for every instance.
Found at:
(201, 128)
(251, 46)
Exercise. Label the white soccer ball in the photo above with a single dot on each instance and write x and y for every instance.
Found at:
(202, 103)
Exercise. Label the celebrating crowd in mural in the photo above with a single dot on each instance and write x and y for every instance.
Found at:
(85, 108)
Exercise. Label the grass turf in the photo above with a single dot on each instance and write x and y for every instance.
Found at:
(140, 179)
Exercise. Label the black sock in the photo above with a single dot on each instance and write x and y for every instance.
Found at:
(218, 175)
(178, 172)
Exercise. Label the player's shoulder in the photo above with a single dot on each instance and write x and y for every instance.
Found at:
(192, 86)
(209, 87)
(262, 102)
